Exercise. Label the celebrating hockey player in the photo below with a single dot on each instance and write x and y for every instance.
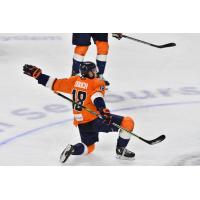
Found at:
(87, 91)
(83, 41)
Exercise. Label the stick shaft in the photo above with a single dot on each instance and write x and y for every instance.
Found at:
(99, 116)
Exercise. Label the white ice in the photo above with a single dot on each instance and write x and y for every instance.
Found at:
(159, 88)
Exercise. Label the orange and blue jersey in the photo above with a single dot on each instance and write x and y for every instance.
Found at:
(83, 90)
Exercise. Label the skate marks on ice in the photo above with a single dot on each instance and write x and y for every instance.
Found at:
(190, 159)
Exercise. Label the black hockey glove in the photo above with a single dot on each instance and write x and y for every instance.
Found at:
(105, 113)
(117, 35)
(32, 71)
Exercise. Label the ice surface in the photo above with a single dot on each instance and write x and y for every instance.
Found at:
(159, 88)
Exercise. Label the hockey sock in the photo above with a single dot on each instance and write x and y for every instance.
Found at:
(101, 66)
(122, 142)
(78, 57)
(102, 52)
(79, 149)
(75, 66)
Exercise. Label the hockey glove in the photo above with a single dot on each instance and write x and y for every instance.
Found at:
(32, 71)
(105, 113)
(117, 35)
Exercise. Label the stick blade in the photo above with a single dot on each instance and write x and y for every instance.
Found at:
(157, 140)
(167, 45)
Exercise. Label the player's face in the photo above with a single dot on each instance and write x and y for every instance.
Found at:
(93, 73)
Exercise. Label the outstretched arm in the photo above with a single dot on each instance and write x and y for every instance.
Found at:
(61, 85)
(36, 73)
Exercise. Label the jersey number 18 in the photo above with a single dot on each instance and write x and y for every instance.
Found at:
(79, 97)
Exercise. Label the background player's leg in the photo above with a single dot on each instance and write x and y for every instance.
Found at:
(102, 52)
(78, 57)
(82, 42)
(101, 41)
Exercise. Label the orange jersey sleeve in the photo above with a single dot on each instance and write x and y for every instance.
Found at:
(64, 85)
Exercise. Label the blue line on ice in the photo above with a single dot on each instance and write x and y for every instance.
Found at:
(19, 135)
(158, 105)
(32, 131)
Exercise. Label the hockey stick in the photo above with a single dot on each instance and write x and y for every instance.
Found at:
(151, 142)
(150, 44)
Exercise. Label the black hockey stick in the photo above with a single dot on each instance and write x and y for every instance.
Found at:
(151, 142)
(150, 44)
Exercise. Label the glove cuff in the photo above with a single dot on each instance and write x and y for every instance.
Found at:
(37, 73)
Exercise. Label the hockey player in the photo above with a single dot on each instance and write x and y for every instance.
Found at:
(83, 41)
(87, 90)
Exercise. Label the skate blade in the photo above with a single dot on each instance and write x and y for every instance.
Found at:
(124, 158)
(63, 157)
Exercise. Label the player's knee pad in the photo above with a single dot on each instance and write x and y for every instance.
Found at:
(91, 148)
(102, 47)
(128, 124)
(81, 50)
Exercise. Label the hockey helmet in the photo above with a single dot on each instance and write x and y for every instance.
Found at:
(87, 67)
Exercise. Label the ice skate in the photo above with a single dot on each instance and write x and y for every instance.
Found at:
(124, 154)
(66, 153)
